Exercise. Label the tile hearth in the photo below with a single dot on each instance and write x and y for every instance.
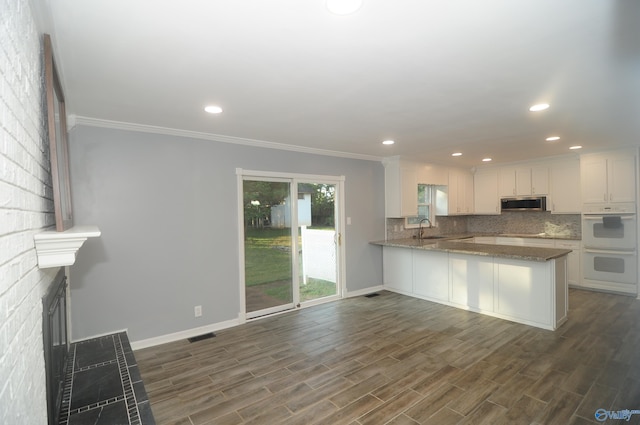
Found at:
(103, 385)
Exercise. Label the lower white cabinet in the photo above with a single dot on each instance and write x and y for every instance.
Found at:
(397, 269)
(471, 281)
(574, 261)
(529, 292)
(520, 290)
(431, 274)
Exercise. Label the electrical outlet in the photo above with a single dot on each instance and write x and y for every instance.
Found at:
(197, 311)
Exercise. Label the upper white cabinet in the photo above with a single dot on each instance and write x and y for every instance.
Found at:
(608, 177)
(485, 192)
(433, 174)
(523, 181)
(460, 192)
(400, 188)
(539, 181)
(563, 190)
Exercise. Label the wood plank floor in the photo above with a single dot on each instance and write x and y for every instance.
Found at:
(393, 359)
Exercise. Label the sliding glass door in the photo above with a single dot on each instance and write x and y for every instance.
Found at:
(318, 265)
(291, 243)
(269, 247)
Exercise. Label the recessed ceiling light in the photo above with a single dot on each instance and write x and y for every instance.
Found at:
(212, 109)
(575, 147)
(486, 159)
(552, 138)
(456, 154)
(343, 7)
(539, 107)
(388, 142)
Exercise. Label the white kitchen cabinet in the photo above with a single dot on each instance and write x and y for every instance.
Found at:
(400, 188)
(529, 292)
(397, 269)
(485, 192)
(507, 182)
(431, 274)
(460, 192)
(565, 187)
(433, 174)
(539, 181)
(608, 178)
(471, 281)
(523, 181)
(521, 290)
(574, 267)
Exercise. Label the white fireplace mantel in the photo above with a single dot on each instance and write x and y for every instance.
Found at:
(56, 249)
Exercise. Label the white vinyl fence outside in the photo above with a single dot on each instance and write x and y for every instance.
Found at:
(318, 254)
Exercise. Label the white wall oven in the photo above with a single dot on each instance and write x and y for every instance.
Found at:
(610, 260)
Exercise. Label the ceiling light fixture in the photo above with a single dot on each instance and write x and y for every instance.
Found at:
(486, 159)
(552, 138)
(576, 147)
(388, 142)
(539, 107)
(212, 109)
(343, 7)
(456, 154)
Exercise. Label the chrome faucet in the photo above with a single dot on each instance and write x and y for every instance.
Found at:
(420, 226)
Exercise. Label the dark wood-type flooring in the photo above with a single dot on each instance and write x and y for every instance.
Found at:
(393, 359)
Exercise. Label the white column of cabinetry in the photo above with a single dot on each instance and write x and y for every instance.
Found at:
(564, 187)
(485, 192)
(460, 192)
(608, 177)
(400, 188)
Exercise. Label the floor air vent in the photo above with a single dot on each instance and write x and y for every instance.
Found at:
(375, 294)
(201, 337)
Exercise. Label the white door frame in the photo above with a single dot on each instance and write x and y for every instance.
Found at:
(294, 178)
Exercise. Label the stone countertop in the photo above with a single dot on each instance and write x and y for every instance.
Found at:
(513, 235)
(534, 236)
(450, 244)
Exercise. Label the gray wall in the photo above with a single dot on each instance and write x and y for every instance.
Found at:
(167, 209)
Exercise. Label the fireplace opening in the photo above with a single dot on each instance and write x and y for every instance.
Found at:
(56, 349)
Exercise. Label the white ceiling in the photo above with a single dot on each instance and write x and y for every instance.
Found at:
(437, 76)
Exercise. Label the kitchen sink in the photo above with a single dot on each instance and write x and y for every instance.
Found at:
(433, 237)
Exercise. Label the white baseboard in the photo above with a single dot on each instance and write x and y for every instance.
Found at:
(176, 336)
(365, 291)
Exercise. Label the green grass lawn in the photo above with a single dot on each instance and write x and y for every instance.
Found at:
(267, 255)
(268, 259)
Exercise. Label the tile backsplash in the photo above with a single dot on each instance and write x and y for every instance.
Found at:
(528, 222)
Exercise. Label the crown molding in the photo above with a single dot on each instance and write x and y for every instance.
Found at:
(76, 120)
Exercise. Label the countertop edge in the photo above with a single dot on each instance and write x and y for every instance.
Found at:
(526, 253)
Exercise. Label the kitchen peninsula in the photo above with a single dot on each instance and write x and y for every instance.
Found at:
(523, 284)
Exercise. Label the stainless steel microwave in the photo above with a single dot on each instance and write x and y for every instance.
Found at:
(538, 203)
